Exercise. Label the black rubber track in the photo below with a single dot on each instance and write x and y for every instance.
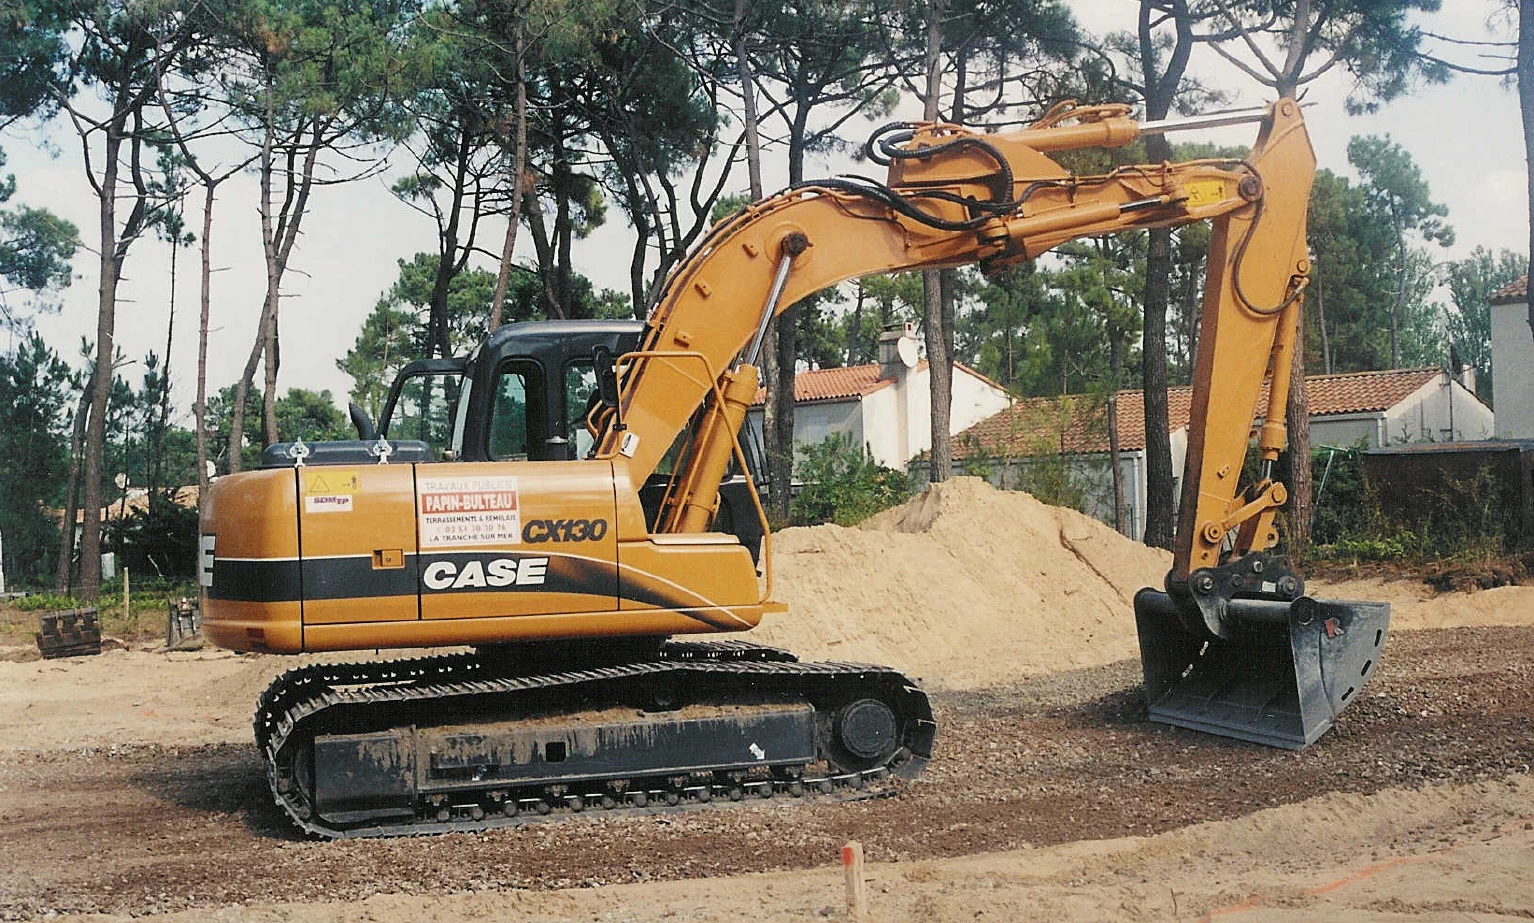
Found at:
(344, 698)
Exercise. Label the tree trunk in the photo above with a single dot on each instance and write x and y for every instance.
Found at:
(241, 393)
(101, 381)
(1326, 343)
(1298, 415)
(748, 101)
(271, 362)
(518, 167)
(64, 568)
(157, 468)
(857, 326)
(1399, 308)
(1526, 109)
(1159, 499)
(1160, 91)
(1115, 372)
(939, 359)
(780, 452)
(200, 408)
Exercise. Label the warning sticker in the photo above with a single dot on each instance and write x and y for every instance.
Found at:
(1205, 192)
(328, 503)
(468, 511)
(320, 480)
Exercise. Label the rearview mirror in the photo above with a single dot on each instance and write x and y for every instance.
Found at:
(607, 376)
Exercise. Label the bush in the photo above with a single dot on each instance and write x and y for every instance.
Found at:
(844, 485)
(1340, 502)
(159, 540)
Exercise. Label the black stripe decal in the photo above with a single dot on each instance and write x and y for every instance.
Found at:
(490, 572)
(350, 578)
(273, 581)
(279, 580)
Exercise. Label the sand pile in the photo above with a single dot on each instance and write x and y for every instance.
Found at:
(964, 586)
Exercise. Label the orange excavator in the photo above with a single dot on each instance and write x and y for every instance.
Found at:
(572, 501)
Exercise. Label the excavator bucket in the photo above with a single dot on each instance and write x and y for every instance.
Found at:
(1281, 679)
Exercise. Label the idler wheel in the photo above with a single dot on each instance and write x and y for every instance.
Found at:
(867, 729)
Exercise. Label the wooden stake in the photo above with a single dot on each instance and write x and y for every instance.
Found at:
(126, 611)
(857, 887)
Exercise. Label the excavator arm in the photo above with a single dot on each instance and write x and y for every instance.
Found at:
(955, 197)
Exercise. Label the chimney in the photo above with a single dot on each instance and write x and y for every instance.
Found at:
(898, 354)
(897, 351)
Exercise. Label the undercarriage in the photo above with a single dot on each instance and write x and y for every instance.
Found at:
(505, 736)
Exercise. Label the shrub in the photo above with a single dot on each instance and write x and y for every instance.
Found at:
(844, 485)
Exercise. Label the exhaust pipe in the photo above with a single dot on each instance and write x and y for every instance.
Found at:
(1282, 677)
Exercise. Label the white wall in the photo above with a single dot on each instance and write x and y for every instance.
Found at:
(814, 422)
(1346, 430)
(1425, 415)
(1512, 367)
(895, 438)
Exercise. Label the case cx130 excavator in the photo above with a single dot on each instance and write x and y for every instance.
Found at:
(571, 542)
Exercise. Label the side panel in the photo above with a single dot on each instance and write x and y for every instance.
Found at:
(249, 568)
(357, 525)
(712, 582)
(516, 539)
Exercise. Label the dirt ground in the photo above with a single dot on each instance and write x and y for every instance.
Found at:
(1049, 798)
(129, 785)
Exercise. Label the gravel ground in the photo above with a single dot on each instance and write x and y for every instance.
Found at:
(1062, 758)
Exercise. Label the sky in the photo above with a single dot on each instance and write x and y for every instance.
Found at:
(1465, 136)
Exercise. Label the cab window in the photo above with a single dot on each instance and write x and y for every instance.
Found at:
(515, 416)
(580, 386)
(426, 410)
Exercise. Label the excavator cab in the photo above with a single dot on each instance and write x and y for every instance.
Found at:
(521, 395)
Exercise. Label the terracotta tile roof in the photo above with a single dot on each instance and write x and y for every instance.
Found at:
(138, 501)
(1362, 392)
(836, 384)
(1512, 292)
(1078, 423)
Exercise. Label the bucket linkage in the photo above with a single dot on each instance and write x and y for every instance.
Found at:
(1230, 652)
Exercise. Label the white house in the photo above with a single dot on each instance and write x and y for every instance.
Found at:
(1512, 360)
(1373, 408)
(886, 406)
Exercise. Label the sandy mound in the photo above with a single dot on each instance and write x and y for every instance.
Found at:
(1416, 605)
(964, 586)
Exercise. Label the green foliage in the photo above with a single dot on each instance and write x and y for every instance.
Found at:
(301, 414)
(36, 246)
(843, 484)
(34, 416)
(159, 538)
(1377, 43)
(1370, 274)
(1460, 517)
(397, 331)
(310, 416)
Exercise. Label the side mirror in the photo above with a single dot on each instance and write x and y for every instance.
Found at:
(364, 426)
(607, 384)
(607, 376)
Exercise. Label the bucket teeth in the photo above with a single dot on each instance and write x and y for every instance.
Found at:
(1282, 677)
